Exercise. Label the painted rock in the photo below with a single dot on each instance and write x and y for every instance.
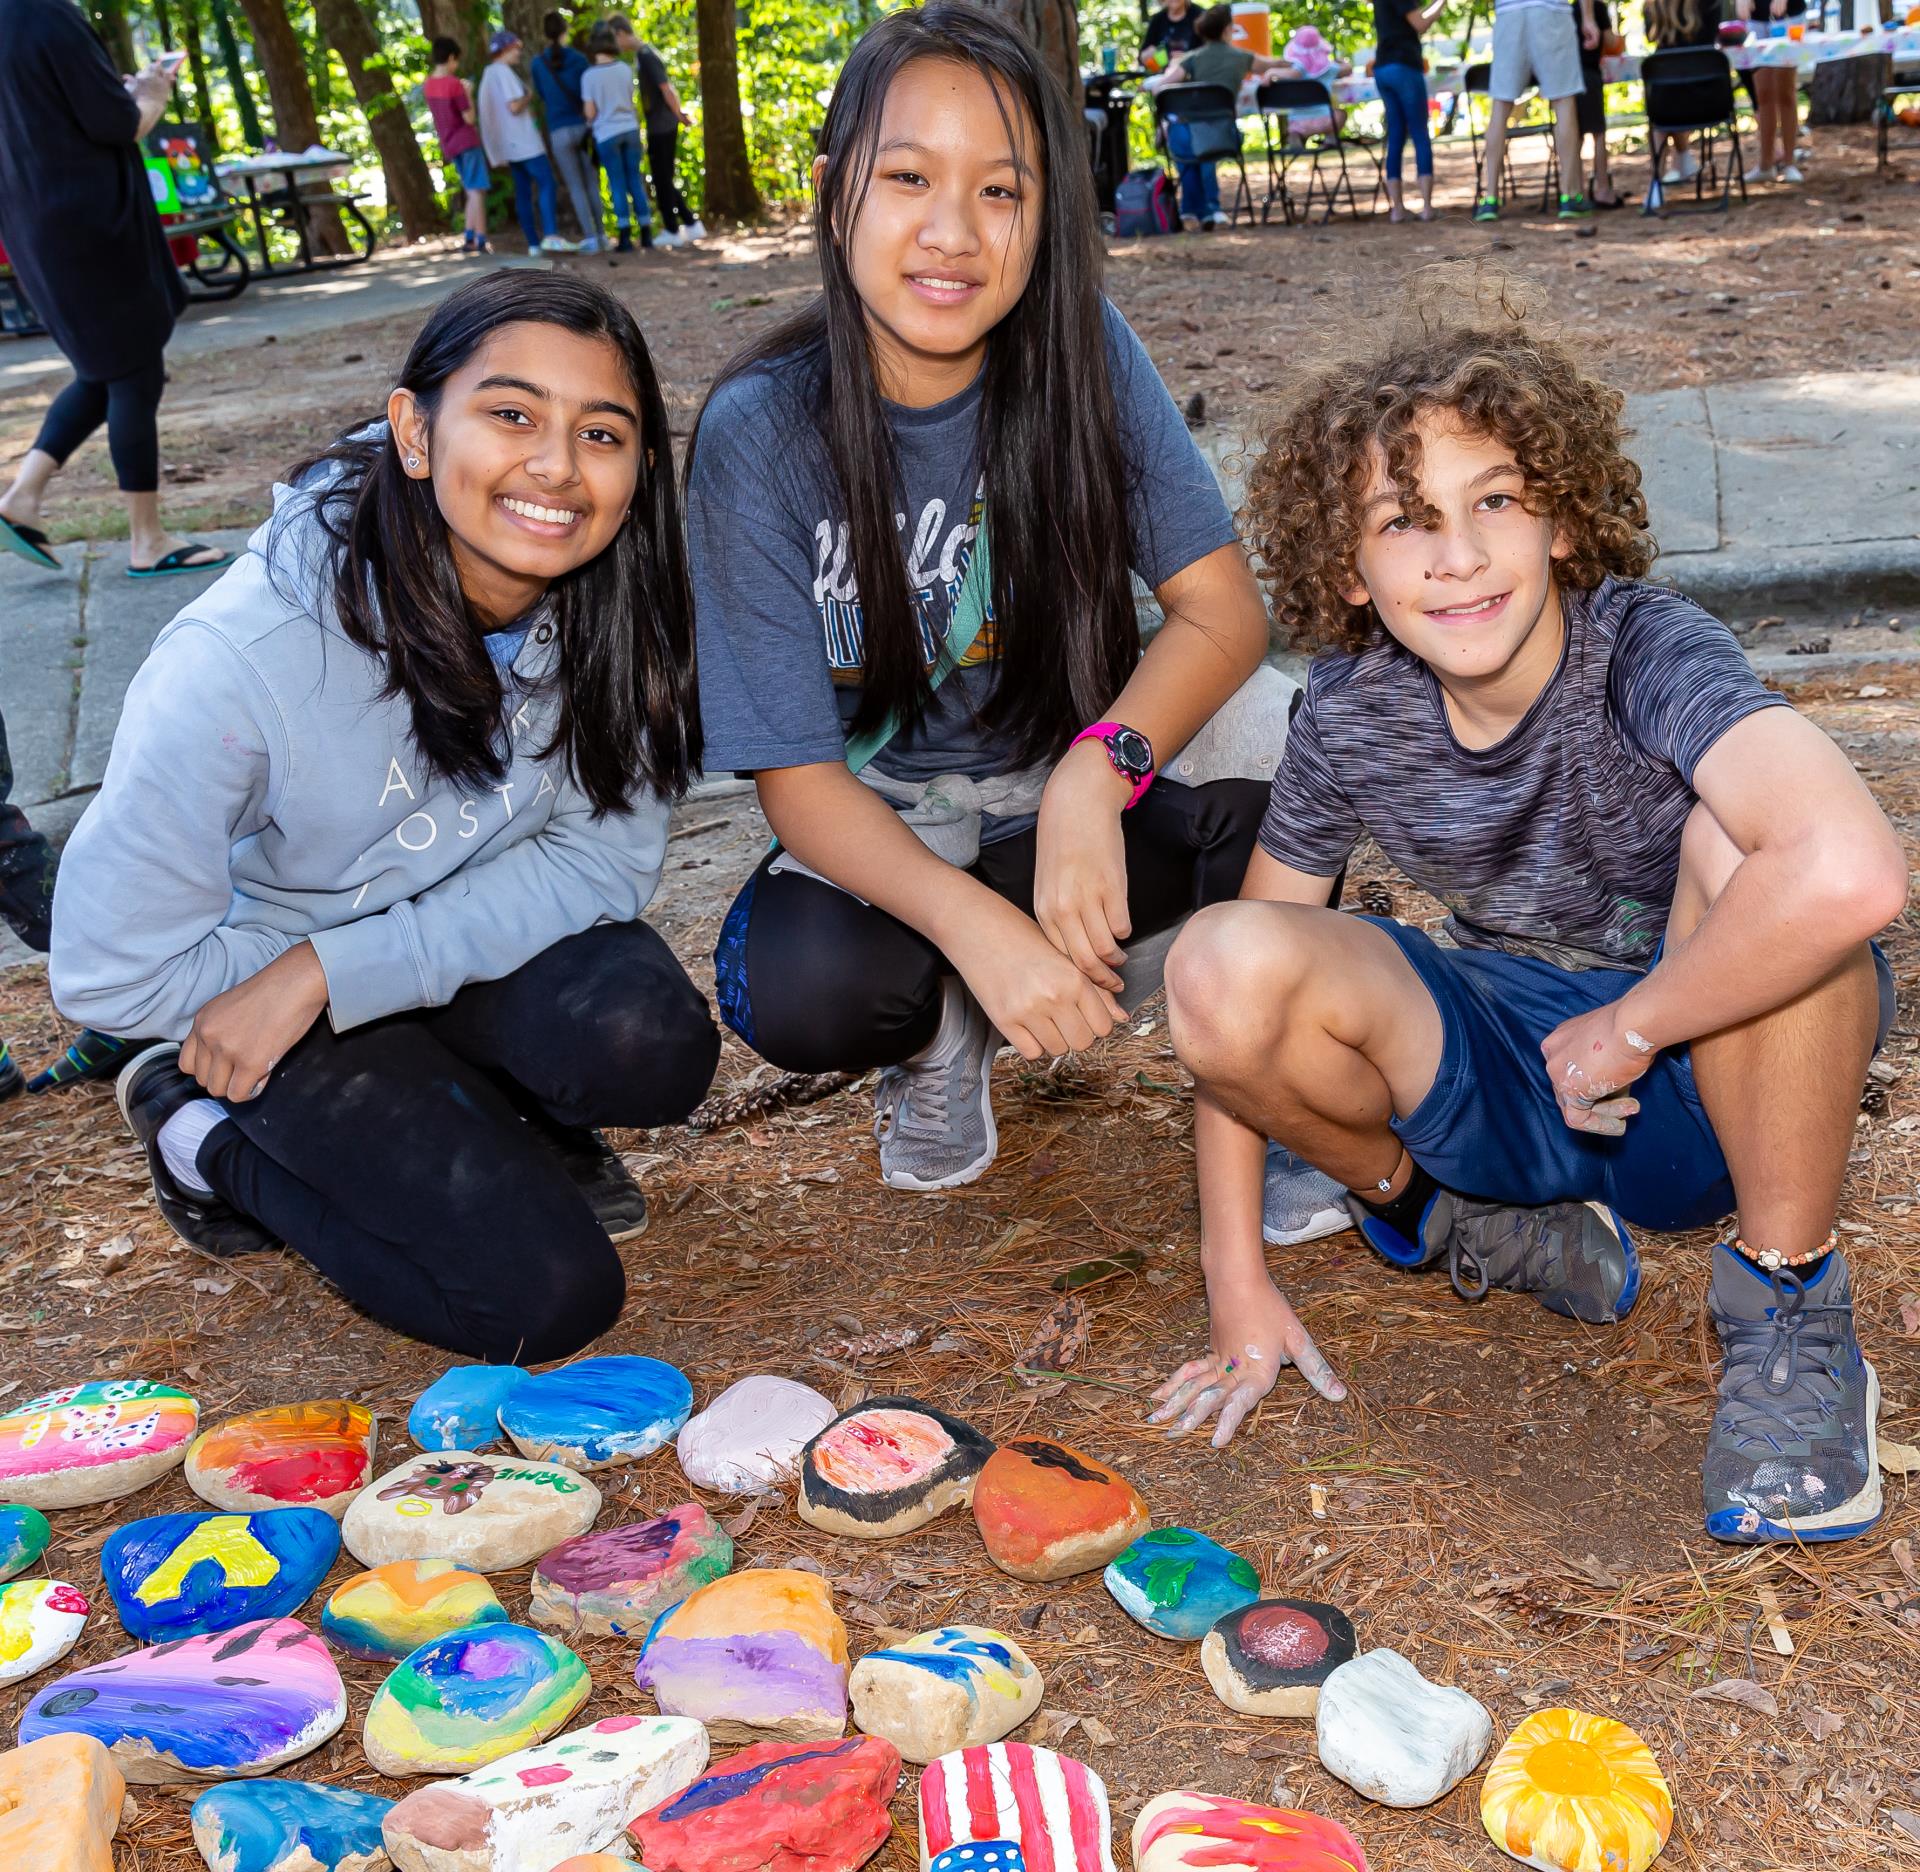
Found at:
(489, 1514)
(619, 1580)
(1572, 1792)
(289, 1826)
(93, 1442)
(1270, 1658)
(461, 1410)
(598, 1411)
(1187, 1832)
(40, 1622)
(954, 1688)
(575, 1793)
(791, 1806)
(201, 1709)
(60, 1802)
(1394, 1737)
(1181, 1584)
(175, 1575)
(464, 1700)
(315, 1455)
(23, 1539)
(1049, 1809)
(888, 1466)
(760, 1653)
(750, 1437)
(1047, 1512)
(594, 1862)
(395, 1609)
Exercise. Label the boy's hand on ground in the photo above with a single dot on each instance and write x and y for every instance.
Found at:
(240, 1036)
(1590, 1061)
(1253, 1339)
(1033, 994)
(1080, 864)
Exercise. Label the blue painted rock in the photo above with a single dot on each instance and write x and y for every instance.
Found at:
(954, 1688)
(93, 1442)
(176, 1575)
(289, 1826)
(1270, 1658)
(391, 1612)
(599, 1411)
(619, 1580)
(1181, 1584)
(487, 1513)
(461, 1410)
(750, 1437)
(471, 1697)
(201, 1709)
(23, 1539)
(40, 1622)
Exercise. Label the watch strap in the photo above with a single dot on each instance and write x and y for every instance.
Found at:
(1100, 731)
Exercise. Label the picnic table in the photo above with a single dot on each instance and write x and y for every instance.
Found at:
(296, 186)
(1760, 51)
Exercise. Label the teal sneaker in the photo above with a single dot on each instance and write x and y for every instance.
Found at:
(1575, 208)
(1487, 208)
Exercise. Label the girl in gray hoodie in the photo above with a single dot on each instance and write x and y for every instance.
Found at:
(382, 813)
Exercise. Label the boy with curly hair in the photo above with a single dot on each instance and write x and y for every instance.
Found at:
(1661, 995)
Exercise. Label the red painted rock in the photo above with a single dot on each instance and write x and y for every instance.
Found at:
(313, 1455)
(778, 1807)
(1046, 1511)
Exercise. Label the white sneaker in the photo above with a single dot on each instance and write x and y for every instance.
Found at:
(694, 231)
(1689, 166)
(1672, 174)
(1788, 172)
(1758, 175)
(666, 238)
(589, 245)
(555, 244)
(933, 1114)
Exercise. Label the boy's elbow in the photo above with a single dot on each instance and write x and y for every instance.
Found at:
(1864, 889)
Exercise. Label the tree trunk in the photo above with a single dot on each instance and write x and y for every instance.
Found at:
(409, 187)
(236, 74)
(296, 125)
(730, 193)
(1847, 91)
(444, 19)
(110, 21)
(197, 65)
(1054, 26)
(524, 17)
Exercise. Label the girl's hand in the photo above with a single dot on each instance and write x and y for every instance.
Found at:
(1040, 1003)
(1080, 865)
(1254, 1335)
(240, 1036)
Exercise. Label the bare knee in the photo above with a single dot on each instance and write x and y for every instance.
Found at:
(1230, 978)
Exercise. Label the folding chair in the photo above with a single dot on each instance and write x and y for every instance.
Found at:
(1324, 152)
(1886, 113)
(1477, 82)
(1690, 88)
(1211, 114)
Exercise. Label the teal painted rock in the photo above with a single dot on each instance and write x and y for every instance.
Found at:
(23, 1539)
(179, 1575)
(289, 1826)
(1180, 1584)
(461, 1409)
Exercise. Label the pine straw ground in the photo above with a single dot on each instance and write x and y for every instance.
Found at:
(1510, 1500)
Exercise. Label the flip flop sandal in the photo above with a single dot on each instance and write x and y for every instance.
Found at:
(29, 542)
(180, 560)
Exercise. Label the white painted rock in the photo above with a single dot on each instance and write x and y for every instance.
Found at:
(959, 1687)
(527, 1812)
(750, 1437)
(40, 1622)
(488, 1514)
(1393, 1736)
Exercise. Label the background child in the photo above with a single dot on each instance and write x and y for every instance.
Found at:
(1537, 43)
(606, 95)
(557, 72)
(457, 125)
(510, 134)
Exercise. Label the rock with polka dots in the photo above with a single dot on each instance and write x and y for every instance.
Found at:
(1270, 1658)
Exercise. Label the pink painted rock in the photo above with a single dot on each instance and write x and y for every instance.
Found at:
(778, 1807)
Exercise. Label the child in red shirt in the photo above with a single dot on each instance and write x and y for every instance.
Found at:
(453, 118)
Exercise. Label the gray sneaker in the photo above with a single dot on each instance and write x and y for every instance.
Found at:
(933, 1116)
(1301, 1204)
(1791, 1455)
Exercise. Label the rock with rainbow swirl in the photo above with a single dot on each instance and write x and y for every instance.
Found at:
(240, 1702)
(1189, 1832)
(460, 1410)
(526, 1811)
(955, 1688)
(617, 1581)
(464, 1700)
(1573, 1792)
(888, 1466)
(1270, 1658)
(1396, 1738)
(40, 1622)
(177, 1575)
(1046, 1511)
(393, 1610)
(93, 1442)
(1010, 1807)
(1179, 1584)
(778, 1807)
(313, 1455)
(489, 1514)
(24, 1534)
(750, 1437)
(289, 1826)
(60, 1804)
(599, 1411)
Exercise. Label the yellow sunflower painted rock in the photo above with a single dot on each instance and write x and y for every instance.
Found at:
(1577, 1793)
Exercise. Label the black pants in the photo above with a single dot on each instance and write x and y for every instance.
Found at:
(817, 981)
(26, 865)
(395, 1159)
(129, 406)
(661, 148)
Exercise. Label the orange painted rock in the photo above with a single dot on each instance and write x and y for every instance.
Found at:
(1046, 1511)
(59, 1806)
(313, 1455)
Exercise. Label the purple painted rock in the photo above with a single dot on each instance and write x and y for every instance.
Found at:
(620, 1580)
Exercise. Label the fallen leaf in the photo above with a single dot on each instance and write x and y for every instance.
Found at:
(738, 1524)
(1086, 1635)
(116, 1250)
(1061, 1338)
(1106, 1268)
(1236, 1745)
(1098, 1733)
(1902, 1551)
(1056, 1725)
(1741, 1690)
(1906, 1821)
(1898, 1458)
(1822, 1723)
(1909, 1302)
(209, 1286)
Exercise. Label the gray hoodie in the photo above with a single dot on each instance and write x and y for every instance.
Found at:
(262, 790)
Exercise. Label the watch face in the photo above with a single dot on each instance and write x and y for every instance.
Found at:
(1131, 752)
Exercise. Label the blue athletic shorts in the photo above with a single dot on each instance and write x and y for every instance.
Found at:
(472, 164)
(1490, 1128)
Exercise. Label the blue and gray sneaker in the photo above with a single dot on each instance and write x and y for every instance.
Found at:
(1575, 1257)
(1301, 1204)
(1791, 1455)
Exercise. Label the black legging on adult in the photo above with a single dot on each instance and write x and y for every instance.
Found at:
(129, 406)
(662, 147)
(816, 980)
(394, 1156)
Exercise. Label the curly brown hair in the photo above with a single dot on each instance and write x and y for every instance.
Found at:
(1476, 355)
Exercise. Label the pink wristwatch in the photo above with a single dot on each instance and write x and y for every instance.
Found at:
(1128, 749)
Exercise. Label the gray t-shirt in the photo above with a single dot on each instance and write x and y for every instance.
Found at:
(609, 89)
(1560, 841)
(778, 610)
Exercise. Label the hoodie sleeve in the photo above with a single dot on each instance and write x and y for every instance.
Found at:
(488, 918)
(139, 941)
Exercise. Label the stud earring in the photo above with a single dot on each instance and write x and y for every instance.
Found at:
(413, 461)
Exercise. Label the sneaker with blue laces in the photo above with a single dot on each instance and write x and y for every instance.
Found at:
(1300, 1203)
(93, 1055)
(1791, 1455)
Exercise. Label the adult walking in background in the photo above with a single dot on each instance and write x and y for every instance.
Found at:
(663, 114)
(79, 225)
(1399, 71)
(512, 139)
(556, 76)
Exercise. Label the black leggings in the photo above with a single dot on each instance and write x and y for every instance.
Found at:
(129, 406)
(26, 865)
(817, 981)
(394, 1157)
(674, 212)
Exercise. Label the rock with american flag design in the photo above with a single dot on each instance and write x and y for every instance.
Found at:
(1010, 1807)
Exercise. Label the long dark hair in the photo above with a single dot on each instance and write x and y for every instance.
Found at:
(624, 674)
(1050, 447)
(555, 28)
